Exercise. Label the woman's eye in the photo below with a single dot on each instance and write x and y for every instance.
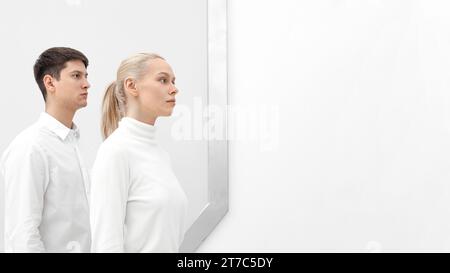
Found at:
(162, 80)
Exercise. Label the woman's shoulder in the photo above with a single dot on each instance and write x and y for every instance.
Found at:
(113, 146)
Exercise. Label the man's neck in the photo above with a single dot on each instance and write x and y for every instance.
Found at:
(62, 115)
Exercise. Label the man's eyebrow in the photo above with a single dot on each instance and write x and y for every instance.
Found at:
(78, 71)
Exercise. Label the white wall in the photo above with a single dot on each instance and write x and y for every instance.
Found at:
(363, 161)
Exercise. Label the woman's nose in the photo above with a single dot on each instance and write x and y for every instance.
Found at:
(173, 89)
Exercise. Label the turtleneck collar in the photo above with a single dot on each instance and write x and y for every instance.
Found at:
(138, 129)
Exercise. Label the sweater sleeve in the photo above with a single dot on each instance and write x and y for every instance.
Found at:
(108, 199)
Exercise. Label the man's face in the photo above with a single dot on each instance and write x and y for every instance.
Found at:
(71, 90)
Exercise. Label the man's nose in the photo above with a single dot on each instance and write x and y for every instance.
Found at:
(86, 84)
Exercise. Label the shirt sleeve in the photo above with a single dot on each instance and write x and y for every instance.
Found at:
(108, 200)
(25, 172)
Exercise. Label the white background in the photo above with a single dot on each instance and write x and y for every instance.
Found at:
(107, 31)
(363, 162)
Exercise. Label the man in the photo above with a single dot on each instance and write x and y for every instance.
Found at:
(46, 184)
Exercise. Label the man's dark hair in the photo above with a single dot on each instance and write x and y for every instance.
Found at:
(52, 61)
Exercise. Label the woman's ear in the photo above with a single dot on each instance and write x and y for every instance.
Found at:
(130, 87)
(49, 83)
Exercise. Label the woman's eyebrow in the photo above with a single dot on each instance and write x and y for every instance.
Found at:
(165, 73)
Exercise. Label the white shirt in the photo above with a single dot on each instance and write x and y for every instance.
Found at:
(136, 202)
(46, 184)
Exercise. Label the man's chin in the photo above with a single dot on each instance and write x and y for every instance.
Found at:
(82, 105)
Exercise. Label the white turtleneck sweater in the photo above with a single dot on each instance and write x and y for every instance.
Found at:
(136, 202)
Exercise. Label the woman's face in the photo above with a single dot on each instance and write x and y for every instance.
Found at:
(156, 89)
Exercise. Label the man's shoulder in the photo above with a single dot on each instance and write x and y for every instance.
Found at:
(31, 136)
(30, 139)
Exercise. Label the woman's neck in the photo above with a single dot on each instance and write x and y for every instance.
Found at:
(145, 118)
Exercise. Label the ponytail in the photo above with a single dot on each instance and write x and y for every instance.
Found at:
(111, 112)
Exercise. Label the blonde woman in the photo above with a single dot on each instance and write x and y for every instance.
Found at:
(136, 202)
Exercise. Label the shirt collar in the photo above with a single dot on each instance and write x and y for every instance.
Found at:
(57, 127)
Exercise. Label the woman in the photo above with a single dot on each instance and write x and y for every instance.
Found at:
(136, 202)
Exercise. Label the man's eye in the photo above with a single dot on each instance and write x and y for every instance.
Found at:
(162, 80)
(76, 76)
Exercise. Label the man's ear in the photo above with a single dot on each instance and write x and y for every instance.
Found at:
(130, 87)
(49, 83)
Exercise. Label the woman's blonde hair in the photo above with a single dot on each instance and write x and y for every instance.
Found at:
(114, 101)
